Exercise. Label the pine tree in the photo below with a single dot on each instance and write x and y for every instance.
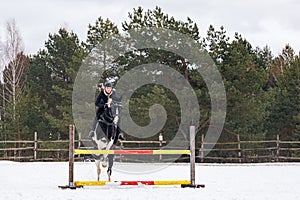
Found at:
(283, 117)
(63, 57)
(103, 29)
(245, 74)
(148, 24)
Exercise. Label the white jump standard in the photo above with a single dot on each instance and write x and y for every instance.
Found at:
(184, 183)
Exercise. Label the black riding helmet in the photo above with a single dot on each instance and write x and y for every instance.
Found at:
(108, 84)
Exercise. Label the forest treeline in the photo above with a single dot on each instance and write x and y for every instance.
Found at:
(262, 90)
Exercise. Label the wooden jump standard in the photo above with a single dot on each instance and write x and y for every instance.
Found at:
(183, 183)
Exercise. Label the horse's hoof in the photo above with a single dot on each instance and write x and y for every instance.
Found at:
(104, 165)
(108, 174)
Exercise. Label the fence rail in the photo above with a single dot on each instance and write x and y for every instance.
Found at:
(233, 151)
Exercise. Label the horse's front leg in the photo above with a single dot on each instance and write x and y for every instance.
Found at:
(109, 158)
(97, 162)
(110, 164)
(104, 164)
(108, 147)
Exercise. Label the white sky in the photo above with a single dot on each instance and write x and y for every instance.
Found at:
(262, 22)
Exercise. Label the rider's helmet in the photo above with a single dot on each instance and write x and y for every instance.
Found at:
(108, 84)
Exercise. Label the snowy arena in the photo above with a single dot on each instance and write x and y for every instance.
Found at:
(40, 180)
(150, 100)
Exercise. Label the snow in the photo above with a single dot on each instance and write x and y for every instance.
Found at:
(40, 180)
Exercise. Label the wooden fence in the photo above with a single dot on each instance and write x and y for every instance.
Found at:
(251, 151)
(236, 151)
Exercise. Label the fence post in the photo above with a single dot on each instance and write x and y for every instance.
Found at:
(202, 148)
(239, 147)
(35, 146)
(277, 148)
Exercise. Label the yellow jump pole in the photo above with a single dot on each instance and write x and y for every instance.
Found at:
(131, 183)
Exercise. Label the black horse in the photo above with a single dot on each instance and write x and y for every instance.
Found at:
(104, 135)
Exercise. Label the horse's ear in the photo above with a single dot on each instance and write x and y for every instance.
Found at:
(118, 98)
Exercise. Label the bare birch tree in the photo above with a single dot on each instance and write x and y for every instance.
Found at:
(13, 72)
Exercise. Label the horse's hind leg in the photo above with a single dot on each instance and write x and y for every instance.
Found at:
(97, 162)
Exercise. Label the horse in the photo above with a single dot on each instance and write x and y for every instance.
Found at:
(105, 135)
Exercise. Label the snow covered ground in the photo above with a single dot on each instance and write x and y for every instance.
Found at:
(39, 181)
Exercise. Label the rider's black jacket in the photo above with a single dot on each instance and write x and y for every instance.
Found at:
(102, 100)
(101, 103)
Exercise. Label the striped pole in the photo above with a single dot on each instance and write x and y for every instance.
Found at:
(131, 183)
(145, 152)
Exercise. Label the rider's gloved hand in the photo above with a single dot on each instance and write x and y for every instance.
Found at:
(107, 105)
(116, 119)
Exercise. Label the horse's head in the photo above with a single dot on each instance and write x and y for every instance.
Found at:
(112, 114)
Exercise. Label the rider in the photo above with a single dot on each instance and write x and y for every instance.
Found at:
(104, 99)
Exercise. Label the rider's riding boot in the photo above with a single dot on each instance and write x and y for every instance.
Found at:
(121, 137)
